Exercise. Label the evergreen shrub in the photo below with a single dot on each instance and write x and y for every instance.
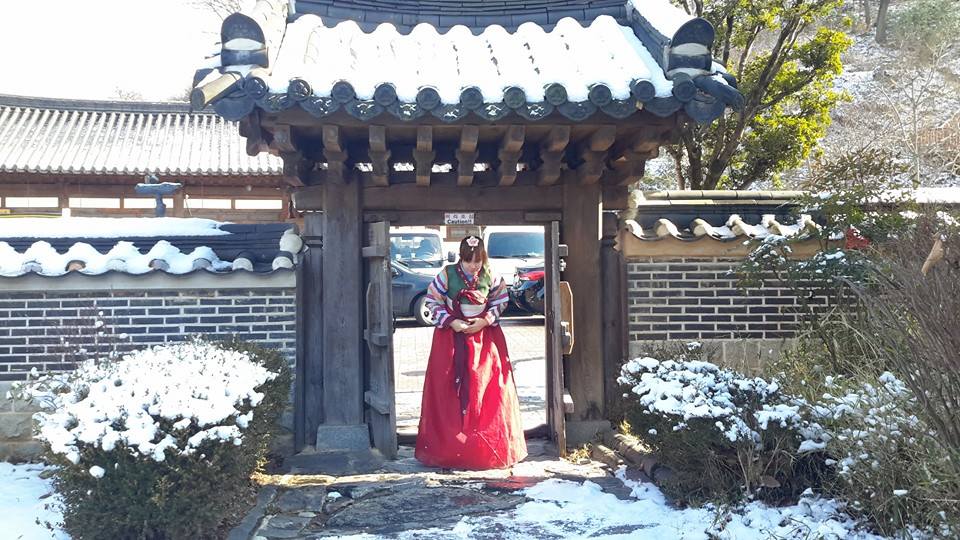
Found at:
(723, 435)
(162, 443)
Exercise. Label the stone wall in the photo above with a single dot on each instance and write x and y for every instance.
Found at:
(697, 299)
(49, 324)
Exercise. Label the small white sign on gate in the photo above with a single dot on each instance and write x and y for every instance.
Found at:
(458, 218)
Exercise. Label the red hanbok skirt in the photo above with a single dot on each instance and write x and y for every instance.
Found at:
(490, 434)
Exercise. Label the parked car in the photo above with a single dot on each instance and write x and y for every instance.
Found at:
(410, 292)
(418, 247)
(527, 291)
(511, 247)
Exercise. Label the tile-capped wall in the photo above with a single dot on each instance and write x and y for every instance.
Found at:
(51, 330)
(698, 299)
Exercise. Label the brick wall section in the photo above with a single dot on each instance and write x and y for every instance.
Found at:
(698, 299)
(38, 329)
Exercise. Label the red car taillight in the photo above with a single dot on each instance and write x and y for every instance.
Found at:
(536, 275)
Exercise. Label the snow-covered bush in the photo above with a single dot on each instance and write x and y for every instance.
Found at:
(723, 435)
(889, 464)
(160, 443)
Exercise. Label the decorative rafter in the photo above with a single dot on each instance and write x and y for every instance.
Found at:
(334, 152)
(593, 152)
(467, 155)
(423, 155)
(551, 153)
(379, 155)
(509, 154)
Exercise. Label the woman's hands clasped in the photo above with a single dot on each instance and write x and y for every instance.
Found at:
(471, 327)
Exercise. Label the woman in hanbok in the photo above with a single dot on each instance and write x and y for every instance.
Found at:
(470, 414)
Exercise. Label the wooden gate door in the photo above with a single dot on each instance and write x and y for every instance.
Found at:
(554, 336)
(378, 334)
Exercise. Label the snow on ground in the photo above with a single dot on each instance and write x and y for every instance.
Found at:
(556, 508)
(563, 509)
(23, 500)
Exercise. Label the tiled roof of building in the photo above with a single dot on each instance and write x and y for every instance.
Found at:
(726, 216)
(655, 58)
(55, 136)
(444, 14)
(135, 246)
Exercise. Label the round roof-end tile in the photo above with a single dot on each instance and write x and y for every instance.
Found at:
(255, 87)
(76, 265)
(643, 89)
(299, 89)
(282, 262)
(343, 92)
(514, 97)
(600, 95)
(159, 264)
(201, 263)
(471, 97)
(555, 94)
(683, 87)
(428, 98)
(385, 94)
(242, 263)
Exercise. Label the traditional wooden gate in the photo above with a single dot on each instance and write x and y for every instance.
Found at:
(378, 395)
(383, 124)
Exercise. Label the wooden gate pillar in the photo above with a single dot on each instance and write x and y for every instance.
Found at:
(343, 426)
(308, 393)
(614, 276)
(582, 206)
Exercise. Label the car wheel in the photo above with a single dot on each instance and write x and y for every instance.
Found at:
(422, 312)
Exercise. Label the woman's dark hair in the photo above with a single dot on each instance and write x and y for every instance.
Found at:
(470, 253)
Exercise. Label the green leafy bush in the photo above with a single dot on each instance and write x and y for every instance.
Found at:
(723, 435)
(162, 443)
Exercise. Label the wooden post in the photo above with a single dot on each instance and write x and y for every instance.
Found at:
(341, 296)
(308, 394)
(613, 271)
(582, 206)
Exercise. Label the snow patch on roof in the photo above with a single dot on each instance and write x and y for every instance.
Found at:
(531, 59)
(84, 227)
(664, 16)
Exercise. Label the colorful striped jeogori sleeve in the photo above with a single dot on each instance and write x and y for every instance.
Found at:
(437, 300)
(497, 300)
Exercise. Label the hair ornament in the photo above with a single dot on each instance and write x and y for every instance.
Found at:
(473, 241)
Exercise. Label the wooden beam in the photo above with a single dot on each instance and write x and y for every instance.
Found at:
(551, 153)
(334, 152)
(593, 152)
(461, 199)
(423, 155)
(282, 140)
(509, 154)
(293, 168)
(251, 130)
(379, 155)
(467, 154)
(485, 217)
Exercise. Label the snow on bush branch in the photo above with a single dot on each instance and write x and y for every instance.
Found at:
(685, 390)
(165, 399)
